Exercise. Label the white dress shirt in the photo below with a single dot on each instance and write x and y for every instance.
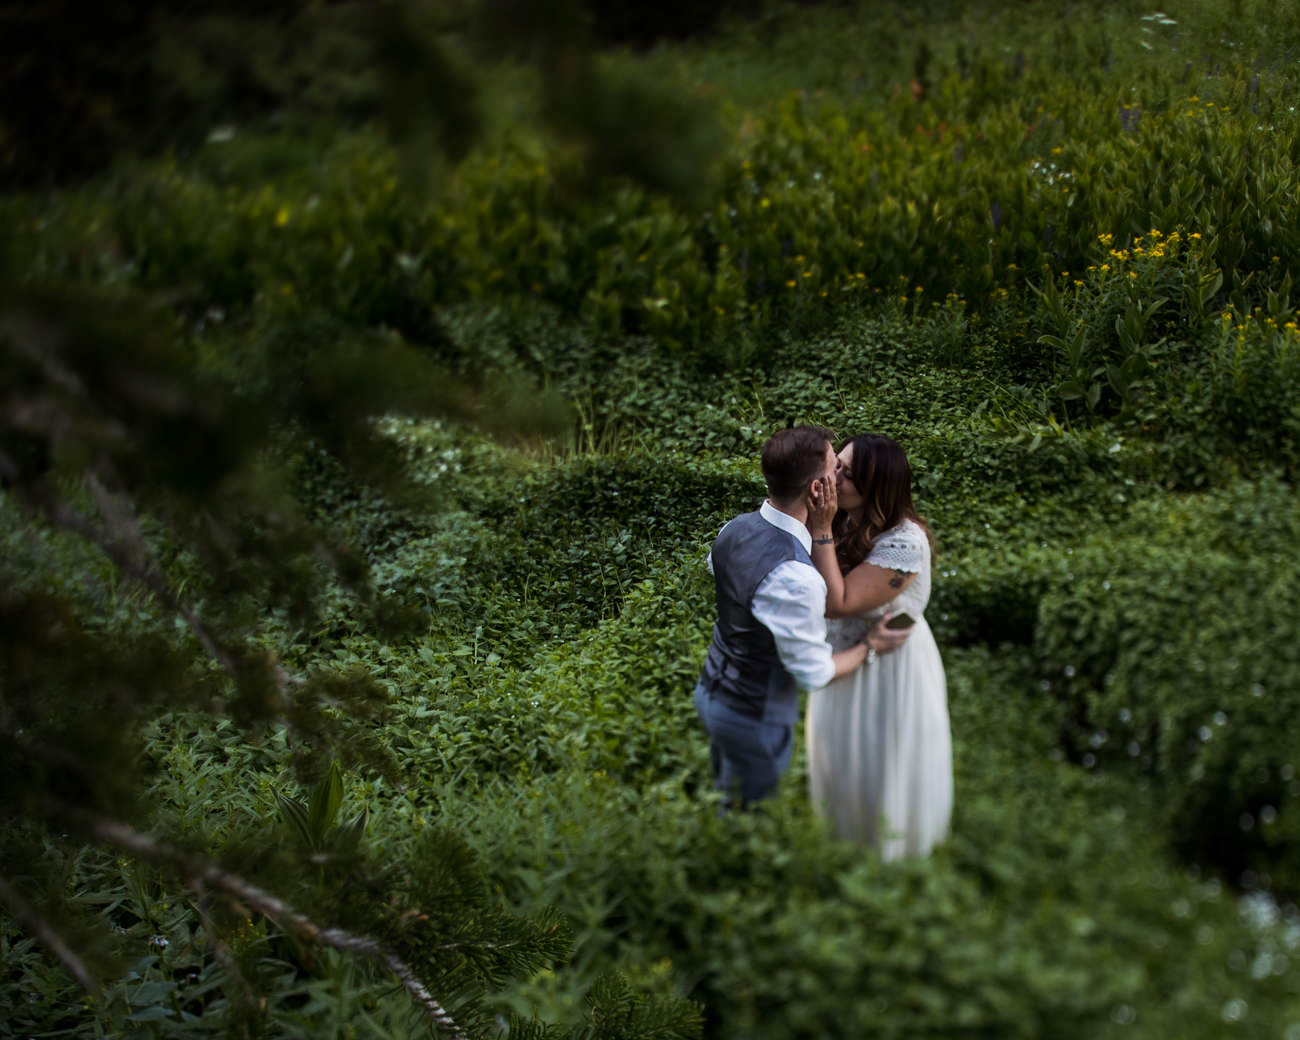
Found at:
(791, 604)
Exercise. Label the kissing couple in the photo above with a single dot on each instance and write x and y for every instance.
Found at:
(824, 588)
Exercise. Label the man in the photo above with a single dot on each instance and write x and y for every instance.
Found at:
(770, 637)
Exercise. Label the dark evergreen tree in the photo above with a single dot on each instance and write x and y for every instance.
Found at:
(116, 436)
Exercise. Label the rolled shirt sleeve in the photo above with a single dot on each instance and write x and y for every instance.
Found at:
(791, 604)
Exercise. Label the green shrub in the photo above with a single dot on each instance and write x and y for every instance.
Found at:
(825, 202)
(1051, 909)
(1170, 638)
(1254, 381)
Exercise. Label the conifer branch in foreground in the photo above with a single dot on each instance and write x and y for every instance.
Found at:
(208, 875)
(41, 929)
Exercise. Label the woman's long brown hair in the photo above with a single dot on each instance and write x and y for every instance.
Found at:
(883, 478)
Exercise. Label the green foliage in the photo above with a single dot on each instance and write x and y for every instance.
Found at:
(1252, 380)
(1170, 640)
(959, 190)
(784, 932)
(1106, 322)
(312, 824)
(1044, 249)
(138, 77)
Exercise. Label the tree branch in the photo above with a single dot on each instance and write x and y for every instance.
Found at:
(37, 341)
(209, 875)
(133, 561)
(41, 929)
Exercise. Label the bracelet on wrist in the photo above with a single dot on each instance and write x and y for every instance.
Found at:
(828, 540)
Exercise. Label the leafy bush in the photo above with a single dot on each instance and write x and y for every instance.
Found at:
(1170, 638)
(963, 192)
(781, 930)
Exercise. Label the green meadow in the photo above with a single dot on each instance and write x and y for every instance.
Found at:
(1051, 249)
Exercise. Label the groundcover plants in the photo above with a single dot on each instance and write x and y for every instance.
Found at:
(354, 538)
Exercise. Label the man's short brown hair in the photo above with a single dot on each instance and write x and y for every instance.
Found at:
(793, 459)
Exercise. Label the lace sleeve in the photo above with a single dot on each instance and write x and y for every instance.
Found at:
(900, 549)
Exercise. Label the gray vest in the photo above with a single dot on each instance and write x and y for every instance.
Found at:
(743, 668)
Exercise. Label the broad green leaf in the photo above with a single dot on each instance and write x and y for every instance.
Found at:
(294, 814)
(325, 800)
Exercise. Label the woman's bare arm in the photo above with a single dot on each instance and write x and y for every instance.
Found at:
(865, 588)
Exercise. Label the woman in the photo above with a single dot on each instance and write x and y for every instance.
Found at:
(879, 749)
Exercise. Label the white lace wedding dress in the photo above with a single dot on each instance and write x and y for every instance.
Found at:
(879, 747)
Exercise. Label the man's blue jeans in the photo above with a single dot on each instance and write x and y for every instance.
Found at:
(749, 755)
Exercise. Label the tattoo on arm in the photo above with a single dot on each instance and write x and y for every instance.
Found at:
(896, 582)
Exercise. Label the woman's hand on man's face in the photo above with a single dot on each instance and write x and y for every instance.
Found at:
(823, 500)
